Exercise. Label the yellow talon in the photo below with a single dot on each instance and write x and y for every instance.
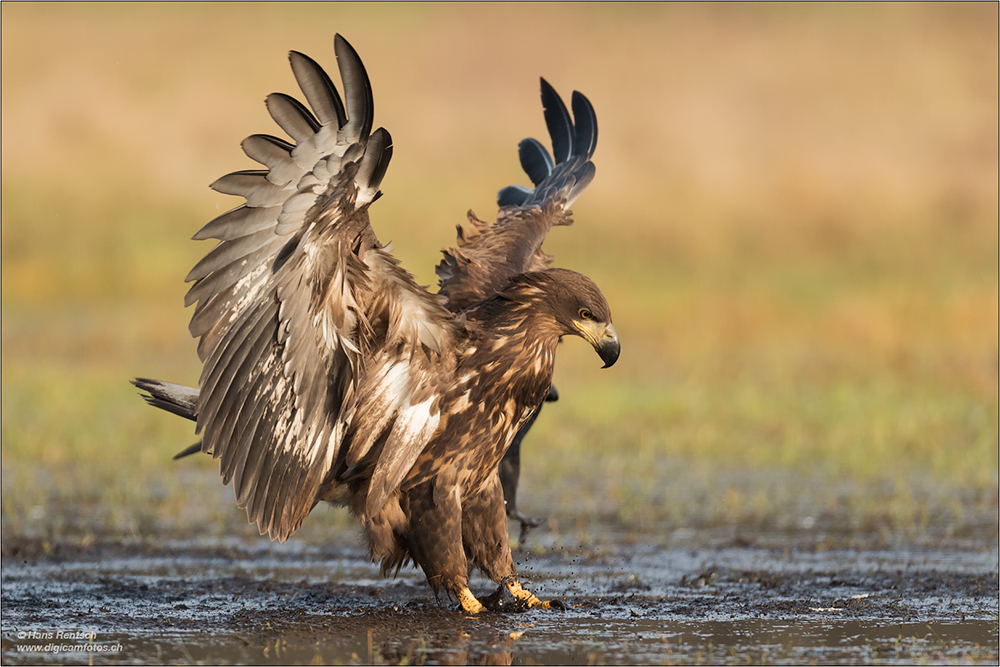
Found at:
(520, 593)
(469, 602)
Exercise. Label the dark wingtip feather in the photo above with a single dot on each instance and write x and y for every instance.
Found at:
(513, 195)
(292, 116)
(319, 90)
(558, 121)
(585, 120)
(535, 160)
(360, 103)
(373, 165)
(568, 171)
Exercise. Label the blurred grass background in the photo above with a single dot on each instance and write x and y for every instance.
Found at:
(794, 219)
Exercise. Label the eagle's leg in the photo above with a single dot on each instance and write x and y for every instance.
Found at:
(529, 598)
(434, 540)
(487, 543)
(469, 602)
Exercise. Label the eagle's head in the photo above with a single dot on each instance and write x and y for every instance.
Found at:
(574, 306)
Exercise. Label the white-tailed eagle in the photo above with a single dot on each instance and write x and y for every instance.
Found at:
(330, 375)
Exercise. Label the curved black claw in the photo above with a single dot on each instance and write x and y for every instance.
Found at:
(558, 604)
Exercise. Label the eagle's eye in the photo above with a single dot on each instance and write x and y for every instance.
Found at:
(586, 314)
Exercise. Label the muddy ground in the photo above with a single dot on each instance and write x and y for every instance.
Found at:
(756, 601)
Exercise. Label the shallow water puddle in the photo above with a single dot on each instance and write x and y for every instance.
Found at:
(183, 603)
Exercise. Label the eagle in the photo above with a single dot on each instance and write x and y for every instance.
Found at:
(330, 375)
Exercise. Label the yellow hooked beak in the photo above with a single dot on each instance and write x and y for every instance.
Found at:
(603, 337)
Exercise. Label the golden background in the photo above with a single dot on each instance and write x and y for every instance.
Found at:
(794, 219)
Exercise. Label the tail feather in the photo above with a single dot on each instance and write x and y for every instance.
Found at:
(175, 398)
(193, 449)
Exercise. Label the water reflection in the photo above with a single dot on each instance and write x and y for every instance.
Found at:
(567, 640)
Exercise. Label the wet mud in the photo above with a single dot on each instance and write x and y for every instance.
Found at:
(227, 602)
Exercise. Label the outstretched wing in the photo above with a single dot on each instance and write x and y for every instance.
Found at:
(489, 255)
(296, 294)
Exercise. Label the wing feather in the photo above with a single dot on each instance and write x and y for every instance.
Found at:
(292, 117)
(413, 427)
(357, 89)
(535, 161)
(237, 222)
(233, 461)
(513, 195)
(276, 155)
(239, 356)
(221, 311)
(227, 277)
(585, 129)
(374, 164)
(298, 299)
(559, 123)
(228, 251)
(319, 90)
(240, 369)
(488, 256)
(207, 321)
(253, 185)
(398, 405)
